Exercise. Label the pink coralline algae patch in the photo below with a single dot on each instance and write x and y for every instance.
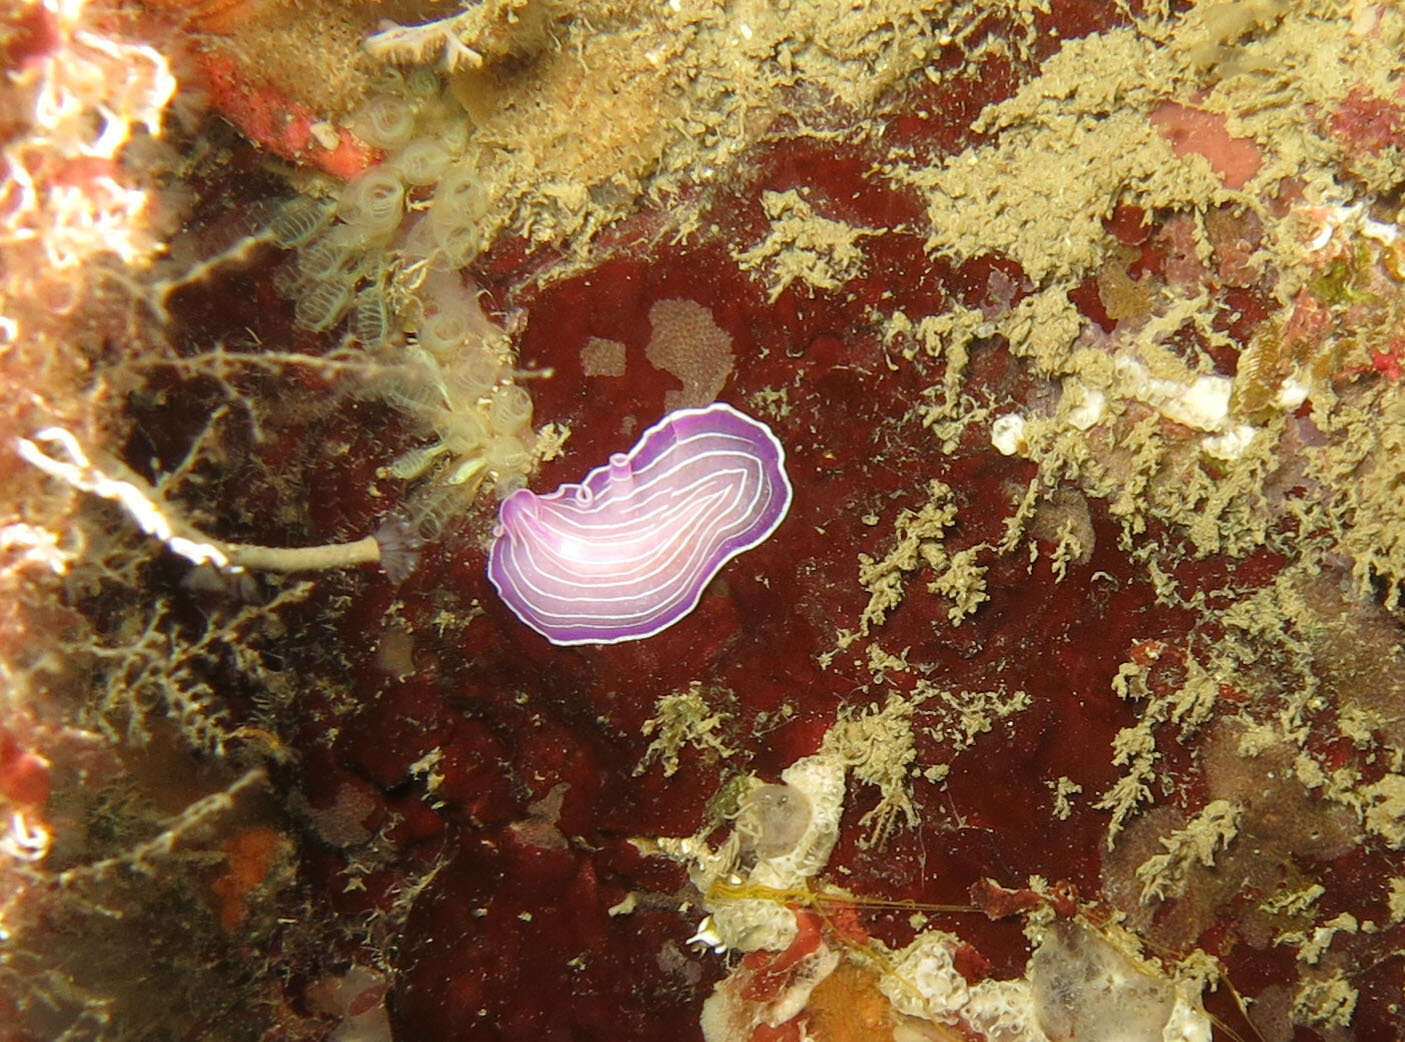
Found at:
(24, 775)
(628, 551)
(1369, 121)
(282, 125)
(1192, 131)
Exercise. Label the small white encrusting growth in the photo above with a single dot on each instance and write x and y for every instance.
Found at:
(749, 923)
(1081, 982)
(1007, 434)
(782, 839)
(1201, 403)
(815, 787)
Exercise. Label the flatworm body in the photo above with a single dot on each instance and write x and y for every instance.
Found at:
(628, 551)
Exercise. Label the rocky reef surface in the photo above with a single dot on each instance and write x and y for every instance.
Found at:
(1067, 700)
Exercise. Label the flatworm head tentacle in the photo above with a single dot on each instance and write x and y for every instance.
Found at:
(628, 551)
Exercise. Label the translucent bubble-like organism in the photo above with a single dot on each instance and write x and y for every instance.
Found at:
(773, 819)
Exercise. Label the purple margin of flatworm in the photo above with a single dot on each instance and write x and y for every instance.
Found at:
(512, 537)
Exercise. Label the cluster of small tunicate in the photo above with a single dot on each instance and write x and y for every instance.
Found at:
(461, 383)
(380, 259)
(348, 247)
(340, 266)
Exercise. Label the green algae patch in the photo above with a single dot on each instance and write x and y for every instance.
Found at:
(918, 547)
(1064, 152)
(1164, 875)
(804, 247)
(581, 113)
(686, 718)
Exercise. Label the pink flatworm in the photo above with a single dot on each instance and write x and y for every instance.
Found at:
(628, 551)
